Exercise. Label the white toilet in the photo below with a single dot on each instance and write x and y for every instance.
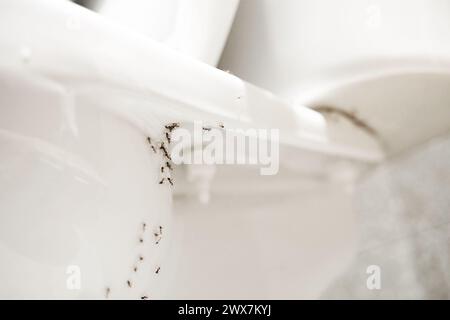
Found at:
(82, 212)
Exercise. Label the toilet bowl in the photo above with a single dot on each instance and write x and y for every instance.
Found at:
(83, 214)
(80, 199)
(381, 66)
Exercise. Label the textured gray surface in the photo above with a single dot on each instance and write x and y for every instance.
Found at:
(403, 207)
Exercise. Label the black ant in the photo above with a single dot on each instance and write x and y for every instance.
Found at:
(162, 169)
(168, 165)
(206, 128)
(141, 258)
(158, 237)
(162, 181)
(170, 181)
(129, 284)
(172, 126)
(108, 291)
(144, 298)
(135, 269)
(168, 137)
(157, 270)
(221, 125)
(164, 150)
(144, 226)
(151, 144)
(141, 240)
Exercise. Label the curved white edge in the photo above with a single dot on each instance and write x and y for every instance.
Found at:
(198, 28)
(358, 71)
(75, 47)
